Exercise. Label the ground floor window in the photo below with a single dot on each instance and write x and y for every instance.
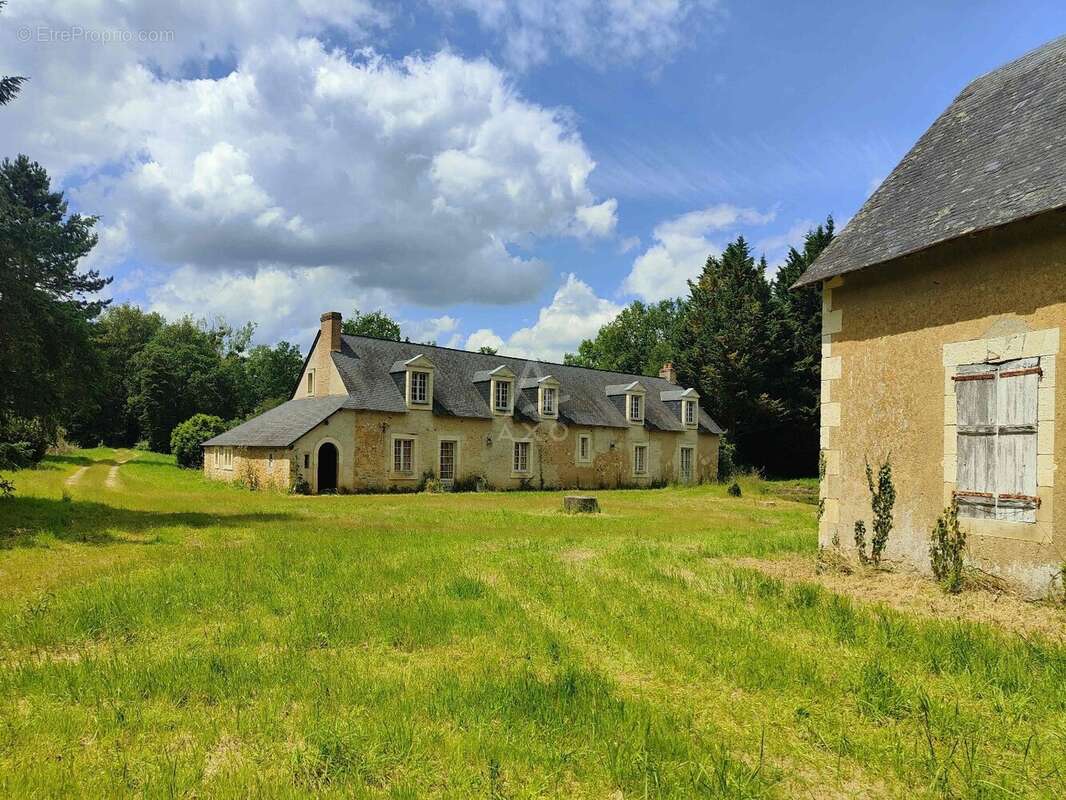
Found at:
(584, 448)
(521, 456)
(996, 429)
(224, 457)
(448, 459)
(640, 459)
(403, 455)
(686, 463)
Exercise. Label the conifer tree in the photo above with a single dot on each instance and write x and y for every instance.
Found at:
(722, 347)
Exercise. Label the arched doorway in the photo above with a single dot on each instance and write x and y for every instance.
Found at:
(327, 468)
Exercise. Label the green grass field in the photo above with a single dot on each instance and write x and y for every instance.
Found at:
(162, 636)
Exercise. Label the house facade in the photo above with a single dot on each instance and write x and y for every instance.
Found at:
(376, 415)
(944, 301)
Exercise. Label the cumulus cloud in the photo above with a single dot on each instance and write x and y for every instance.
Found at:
(596, 31)
(681, 249)
(575, 313)
(416, 178)
(443, 330)
(285, 303)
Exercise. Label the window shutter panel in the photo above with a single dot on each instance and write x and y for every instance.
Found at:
(975, 395)
(1016, 443)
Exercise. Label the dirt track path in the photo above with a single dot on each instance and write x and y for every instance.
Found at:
(114, 482)
(75, 479)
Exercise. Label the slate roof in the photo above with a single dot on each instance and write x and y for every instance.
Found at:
(283, 425)
(996, 155)
(364, 364)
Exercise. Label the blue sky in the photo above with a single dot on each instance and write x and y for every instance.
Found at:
(487, 172)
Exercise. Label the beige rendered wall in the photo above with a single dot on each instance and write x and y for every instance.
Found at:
(892, 336)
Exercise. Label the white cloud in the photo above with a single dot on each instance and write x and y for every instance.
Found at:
(575, 313)
(443, 330)
(598, 220)
(596, 31)
(483, 337)
(285, 303)
(629, 243)
(681, 249)
(415, 178)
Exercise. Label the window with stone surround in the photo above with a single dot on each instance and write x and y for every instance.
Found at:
(997, 429)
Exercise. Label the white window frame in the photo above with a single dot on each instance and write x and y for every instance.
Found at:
(494, 388)
(402, 474)
(690, 413)
(638, 398)
(227, 458)
(411, 366)
(549, 409)
(547, 386)
(414, 377)
(515, 467)
(691, 473)
(587, 458)
(643, 473)
(310, 383)
(455, 457)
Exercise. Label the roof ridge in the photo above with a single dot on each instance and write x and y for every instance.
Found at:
(1035, 55)
(501, 355)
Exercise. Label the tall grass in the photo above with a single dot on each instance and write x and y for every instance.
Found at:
(210, 641)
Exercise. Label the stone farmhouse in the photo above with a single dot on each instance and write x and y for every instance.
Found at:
(944, 300)
(378, 415)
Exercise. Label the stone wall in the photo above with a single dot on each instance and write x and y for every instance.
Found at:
(261, 467)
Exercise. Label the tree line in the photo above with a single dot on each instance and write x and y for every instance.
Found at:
(748, 343)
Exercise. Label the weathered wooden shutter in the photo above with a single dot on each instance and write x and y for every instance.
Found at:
(1016, 417)
(975, 396)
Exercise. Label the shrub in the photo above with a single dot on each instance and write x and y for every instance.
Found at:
(7, 488)
(15, 455)
(186, 438)
(734, 489)
(300, 484)
(946, 548)
(23, 442)
(727, 453)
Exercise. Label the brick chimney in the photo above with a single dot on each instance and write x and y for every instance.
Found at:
(331, 330)
(668, 372)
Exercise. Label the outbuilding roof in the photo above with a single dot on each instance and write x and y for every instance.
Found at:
(283, 425)
(996, 155)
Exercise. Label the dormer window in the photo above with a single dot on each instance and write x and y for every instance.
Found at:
(497, 389)
(502, 396)
(629, 399)
(636, 408)
(417, 383)
(685, 404)
(547, 401)
(419, 387)
(547, 389)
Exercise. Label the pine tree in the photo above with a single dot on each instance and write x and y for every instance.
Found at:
(722, 347)
(795, 375)
(9, 84)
